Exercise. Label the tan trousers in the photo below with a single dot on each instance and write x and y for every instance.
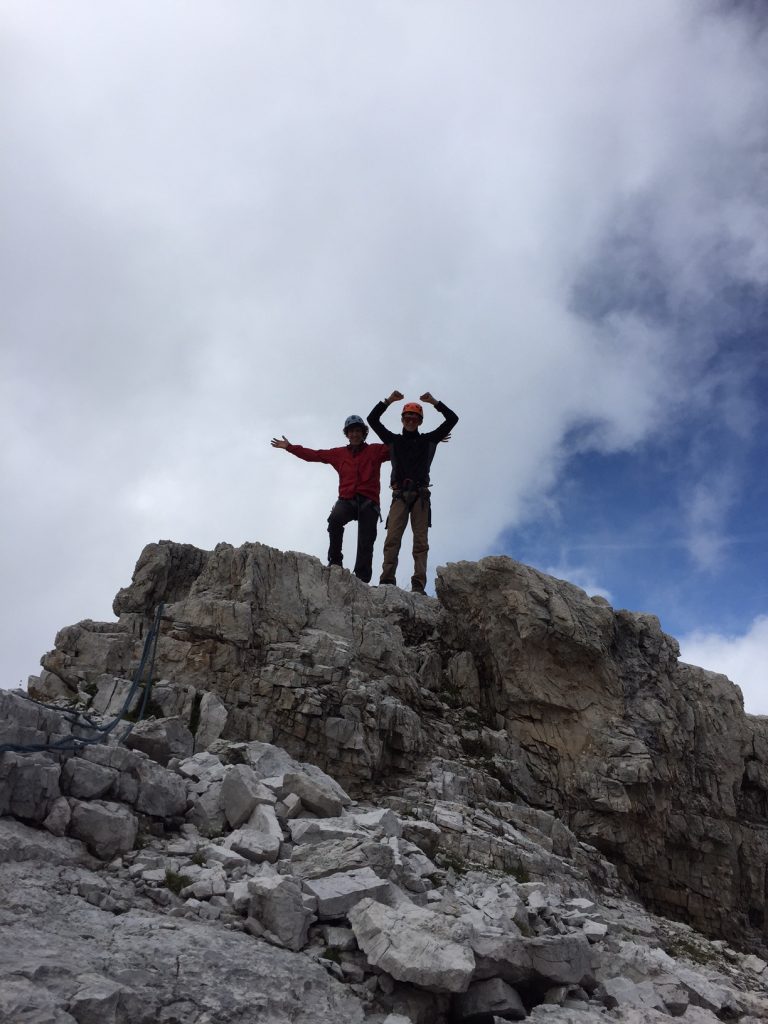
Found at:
(397, 520)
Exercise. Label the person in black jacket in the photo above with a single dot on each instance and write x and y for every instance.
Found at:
(411, 453)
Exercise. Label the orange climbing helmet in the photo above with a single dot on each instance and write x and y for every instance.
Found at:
(413, 407)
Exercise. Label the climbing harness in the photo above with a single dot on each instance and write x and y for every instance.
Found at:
(409, 493)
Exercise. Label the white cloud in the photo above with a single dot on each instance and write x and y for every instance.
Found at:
(225, 225)
(742, 658)
(706, 509)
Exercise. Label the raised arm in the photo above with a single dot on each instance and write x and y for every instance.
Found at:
(451, 419)
(374, 417)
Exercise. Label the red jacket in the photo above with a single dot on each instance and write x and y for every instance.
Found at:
(359, 471)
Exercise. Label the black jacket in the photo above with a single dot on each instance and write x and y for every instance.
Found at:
(411, 452)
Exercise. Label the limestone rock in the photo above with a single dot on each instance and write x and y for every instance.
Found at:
(23, 1000)
(595, 930)
(48, 686)
(621, 991)
(206, 812)
(29, 785)
(502, 742)
(213, 717)
(277, 906)
(241, 791)
(589, 693)
(161, 739)
(59, 817)
(316, 860)
(413, 945)
(19, 842)
(336, 894)
(99, 998)
(264, 819)
(314, 796)
(309, 830)
(161, 793)
(93, 955)
(111, 696)
(425, 834)
(85, 780)
(255, 846)
(484, 998)
(560, 958)
(382, 822)
(106, 828)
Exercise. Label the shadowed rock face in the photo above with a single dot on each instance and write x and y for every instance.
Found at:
(537, 690)
(651, 760)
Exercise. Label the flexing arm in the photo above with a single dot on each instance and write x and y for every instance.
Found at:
(374, 417)
(451, 419)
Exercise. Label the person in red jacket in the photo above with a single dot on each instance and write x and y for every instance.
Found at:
(359, 467)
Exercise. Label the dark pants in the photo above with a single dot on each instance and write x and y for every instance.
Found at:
(367, 515)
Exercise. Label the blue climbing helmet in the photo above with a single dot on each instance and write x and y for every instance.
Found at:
(355, 421)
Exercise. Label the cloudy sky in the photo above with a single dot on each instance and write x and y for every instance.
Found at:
(226, 222)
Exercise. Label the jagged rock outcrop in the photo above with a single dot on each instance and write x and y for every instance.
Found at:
(356, 803)
(530, 687)
(650, 759)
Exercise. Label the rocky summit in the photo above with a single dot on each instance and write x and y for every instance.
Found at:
(270, 793)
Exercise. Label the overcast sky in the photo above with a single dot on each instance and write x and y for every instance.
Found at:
(223, 223)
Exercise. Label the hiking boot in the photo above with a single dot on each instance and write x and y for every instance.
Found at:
(417, 588)
(387, 581)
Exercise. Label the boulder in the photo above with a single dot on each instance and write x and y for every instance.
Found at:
(381, 822)
(413, 945)
(86, 780)
(100, 999)
(241, 791)
(20, 843)
(424, 834)
(315, 860)
(161, 793)
(107, 829)
(48, 687)
(255, 846)
(706, 994)
(620, 991)
(336, 894)
(310, 830)
(206, 812)
(161, 739)
(560, 958)
(111, 695)
(320, 799)
(213, 716)
(485, 998)
(264, 819)
(29, 785)
(278, 910)
(59, 817)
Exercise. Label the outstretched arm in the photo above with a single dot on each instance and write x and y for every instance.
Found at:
(374, 417)
(307, 454)
(451, 419)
